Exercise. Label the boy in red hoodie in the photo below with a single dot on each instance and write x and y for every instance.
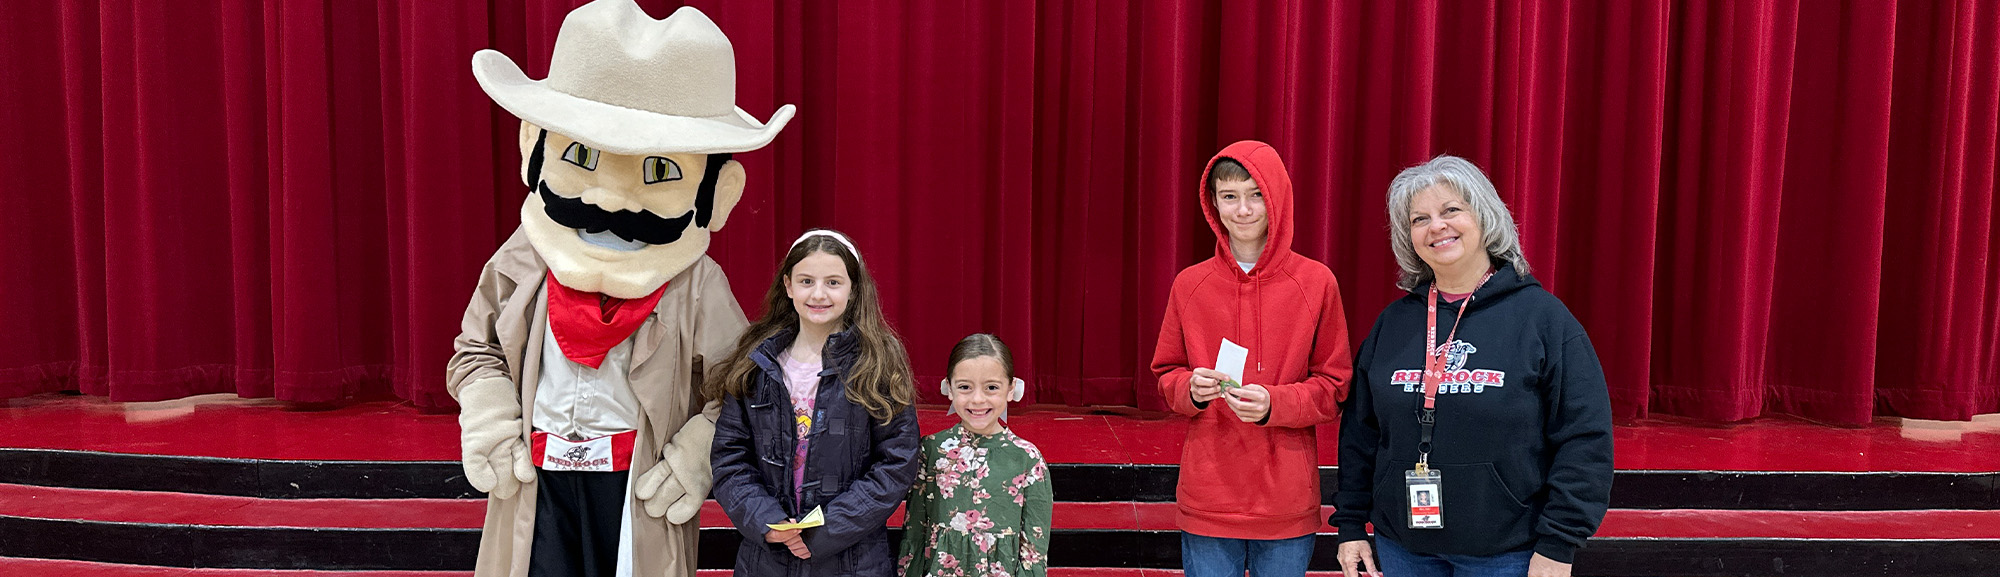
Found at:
(1249, 482)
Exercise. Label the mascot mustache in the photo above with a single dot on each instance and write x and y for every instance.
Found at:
(641, 226)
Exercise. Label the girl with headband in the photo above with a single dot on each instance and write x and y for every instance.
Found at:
(817, 442)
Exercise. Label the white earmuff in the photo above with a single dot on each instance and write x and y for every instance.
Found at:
(1014, 396)
(944, 387)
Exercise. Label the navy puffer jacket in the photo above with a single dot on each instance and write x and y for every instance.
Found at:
(857, 469)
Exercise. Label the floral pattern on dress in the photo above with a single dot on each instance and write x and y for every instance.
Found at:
(955, 528)
(1031, 558)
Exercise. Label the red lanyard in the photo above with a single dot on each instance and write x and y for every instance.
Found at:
(1434, 359)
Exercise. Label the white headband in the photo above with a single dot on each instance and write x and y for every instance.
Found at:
(830, 234)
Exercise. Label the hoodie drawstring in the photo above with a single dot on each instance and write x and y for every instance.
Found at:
(1257, 296)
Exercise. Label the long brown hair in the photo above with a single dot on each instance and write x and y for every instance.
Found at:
(880, 378)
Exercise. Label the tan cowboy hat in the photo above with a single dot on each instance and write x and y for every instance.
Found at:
(621, 82)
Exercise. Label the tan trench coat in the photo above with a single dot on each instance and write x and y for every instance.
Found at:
(501, 336)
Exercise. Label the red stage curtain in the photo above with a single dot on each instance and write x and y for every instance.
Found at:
(1754, 206)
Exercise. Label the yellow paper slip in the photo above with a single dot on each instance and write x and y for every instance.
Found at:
(813, 519)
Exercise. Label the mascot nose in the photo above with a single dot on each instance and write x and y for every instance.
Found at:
(611, 200)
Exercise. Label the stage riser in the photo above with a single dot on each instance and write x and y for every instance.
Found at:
(454, 549)
(236, 477)
(1073, 482)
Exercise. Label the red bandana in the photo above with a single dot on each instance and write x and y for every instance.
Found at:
(587, 324)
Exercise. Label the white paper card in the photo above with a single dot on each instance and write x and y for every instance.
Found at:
(1229, 360)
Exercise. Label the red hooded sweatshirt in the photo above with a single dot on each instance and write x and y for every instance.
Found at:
(1244, 480)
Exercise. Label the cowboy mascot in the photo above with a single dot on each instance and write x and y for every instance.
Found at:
(577, 363)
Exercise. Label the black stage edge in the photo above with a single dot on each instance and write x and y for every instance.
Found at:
(205, 546)
(265, 479)
(1774, 557)
(1867, 491)
(273, 479)
(455, 550)
(1786, 490)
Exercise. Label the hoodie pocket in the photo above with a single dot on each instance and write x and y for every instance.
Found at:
(1493, 477)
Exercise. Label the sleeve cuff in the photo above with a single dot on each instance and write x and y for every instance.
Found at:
(754, 531)
(1180, 398)
(1350, 532)
(1556, 549)
(1271, 409)
(1288, 397)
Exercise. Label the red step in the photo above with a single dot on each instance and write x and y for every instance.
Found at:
(211, 510)
(192, 509)
(60, 568)
(66, 568)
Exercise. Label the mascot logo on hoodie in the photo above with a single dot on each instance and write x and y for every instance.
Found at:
(1456, 378)
(627, 144)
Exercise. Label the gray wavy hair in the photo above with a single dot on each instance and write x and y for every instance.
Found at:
(1496, 223)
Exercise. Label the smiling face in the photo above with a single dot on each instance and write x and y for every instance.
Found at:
(979, 390)
(1241, 205)
(819, 288)
(1443, 230)
(621, 224)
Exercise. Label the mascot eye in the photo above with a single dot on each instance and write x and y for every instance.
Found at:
(660, 169)
(581, 155)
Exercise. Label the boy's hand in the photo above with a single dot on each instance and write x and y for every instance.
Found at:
(1206, 385)
(1251, 402)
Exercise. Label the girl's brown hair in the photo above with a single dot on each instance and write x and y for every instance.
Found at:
(880, 378)
(980, 345)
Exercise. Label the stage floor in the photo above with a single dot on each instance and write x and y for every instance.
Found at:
(229, 427)
(216, 485)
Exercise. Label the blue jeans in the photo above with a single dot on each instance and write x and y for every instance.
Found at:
(1218, 557)
(1399, 562)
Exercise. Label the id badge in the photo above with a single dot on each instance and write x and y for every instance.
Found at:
(1426, 498)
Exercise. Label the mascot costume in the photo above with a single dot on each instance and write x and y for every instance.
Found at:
(578, 361)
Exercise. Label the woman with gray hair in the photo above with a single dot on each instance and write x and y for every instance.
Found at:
(1479, 391)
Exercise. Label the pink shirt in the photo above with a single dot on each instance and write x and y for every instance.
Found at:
(802, 384)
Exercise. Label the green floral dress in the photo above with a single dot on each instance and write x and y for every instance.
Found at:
(981, 508)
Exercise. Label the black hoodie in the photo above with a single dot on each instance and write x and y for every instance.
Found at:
(1523, 435)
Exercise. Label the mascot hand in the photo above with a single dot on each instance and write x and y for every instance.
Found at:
(677, 485)
(489, 423)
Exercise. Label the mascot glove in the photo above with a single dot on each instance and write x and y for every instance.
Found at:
(489, 422)
(677, 485)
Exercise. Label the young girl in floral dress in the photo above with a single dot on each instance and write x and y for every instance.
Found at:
(982, 506)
